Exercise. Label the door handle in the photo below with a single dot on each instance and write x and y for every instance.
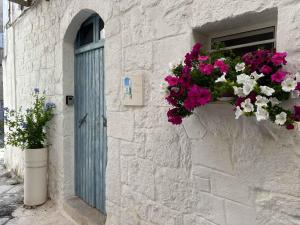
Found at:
(83, 120)
(104, 121)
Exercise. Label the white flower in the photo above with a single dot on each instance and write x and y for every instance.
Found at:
(238, 112)
(238, 91)
(247, 105)
(164, 89)
(242, 78)
(239, 67)
(173, 65)
(222, 59)
(295, 94)
(175, 89)
(256, 76)
(221, 79)
(274, 101)
(261, 114)
(248, 86)
(267, 90)
(281, 118)
(289, 84)
(261, 101)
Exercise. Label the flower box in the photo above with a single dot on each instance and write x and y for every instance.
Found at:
(258, 82)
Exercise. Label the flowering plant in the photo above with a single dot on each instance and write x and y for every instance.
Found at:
(27, 129)
(257, 82)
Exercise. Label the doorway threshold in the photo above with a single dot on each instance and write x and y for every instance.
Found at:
(82, 213)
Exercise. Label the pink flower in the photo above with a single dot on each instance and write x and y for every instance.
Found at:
(197, 96)
(173, 116)
(298, 86)
(188, 60)
(279, 58)
(203, 58)
(196, 50)
(279, 76)
(171, 100)
(185, 80)
(290, 126)
(266, 69)
(206, 69)
(297, 113)
(223, 67)
(239, 101)
(172, 81)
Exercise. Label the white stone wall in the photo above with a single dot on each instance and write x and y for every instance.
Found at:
(212, 170)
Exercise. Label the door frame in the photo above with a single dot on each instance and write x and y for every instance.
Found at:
(97, 43)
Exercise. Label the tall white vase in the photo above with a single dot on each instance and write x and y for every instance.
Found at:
(35, 176)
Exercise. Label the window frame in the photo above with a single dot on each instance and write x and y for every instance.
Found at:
(245, 29)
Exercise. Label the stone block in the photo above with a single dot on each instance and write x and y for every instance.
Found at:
(130, 148)
(173, 189)
(213, 152)
(232, 188)
(138, 57)
(208, 206)
(162, 147)
(121, 125)
(237, 214)
(201, 184)
(141, 177)
(194, 219)
(113, 186)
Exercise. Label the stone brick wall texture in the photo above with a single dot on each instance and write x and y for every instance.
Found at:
(212, 170)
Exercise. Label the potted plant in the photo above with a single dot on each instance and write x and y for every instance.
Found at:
(27, 130)
(256, 84)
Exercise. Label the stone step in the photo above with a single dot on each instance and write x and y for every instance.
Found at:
(82, 213)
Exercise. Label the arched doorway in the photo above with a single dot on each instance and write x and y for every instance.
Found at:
(90, 116)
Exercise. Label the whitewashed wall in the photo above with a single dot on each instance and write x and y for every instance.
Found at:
(212, 170)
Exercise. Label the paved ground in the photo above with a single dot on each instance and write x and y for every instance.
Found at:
(11, 194)
(12, 211)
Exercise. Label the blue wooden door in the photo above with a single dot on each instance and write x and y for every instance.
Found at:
(90, 118)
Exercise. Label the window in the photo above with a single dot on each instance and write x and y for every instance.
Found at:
(91, 31)
(243, 42)
(86, 34)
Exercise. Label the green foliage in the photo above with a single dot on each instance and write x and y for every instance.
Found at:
(28, 129)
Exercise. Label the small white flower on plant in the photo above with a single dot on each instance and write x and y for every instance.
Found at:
(289, 84)
(295, 94)
(173, 65)
(222, 59)
(261, 114)
(239, 67)
(261, 101)
(238, 112)
(242, 78)
(256, 75)
(238, 91)
(247, 105)
(249, 86)
(221, 78)
(164, 89)
(175, 89)
(267, 90)
(274, 101)
(281, 118)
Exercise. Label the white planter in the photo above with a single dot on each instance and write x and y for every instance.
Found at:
(35, 176)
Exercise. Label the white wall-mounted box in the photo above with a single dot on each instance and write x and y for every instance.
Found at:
(132, 90)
